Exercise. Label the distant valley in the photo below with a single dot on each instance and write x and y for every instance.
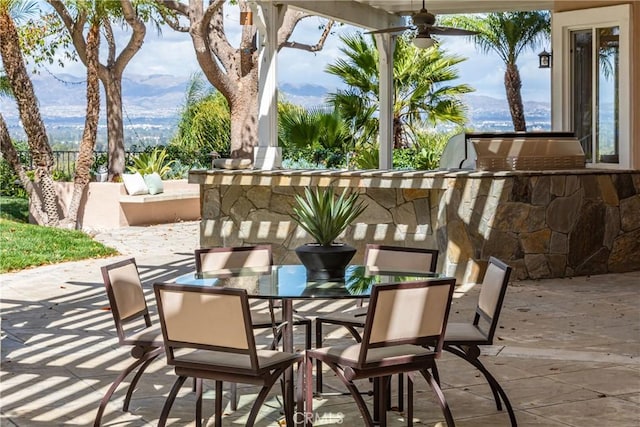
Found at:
(153, 103)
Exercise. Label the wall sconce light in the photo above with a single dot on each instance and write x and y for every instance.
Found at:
(544, 59)
(246, 18)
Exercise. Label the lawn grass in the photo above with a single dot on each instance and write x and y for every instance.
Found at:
(25, 245)
(14, 208)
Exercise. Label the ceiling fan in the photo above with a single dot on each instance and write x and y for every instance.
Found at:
(423, 23)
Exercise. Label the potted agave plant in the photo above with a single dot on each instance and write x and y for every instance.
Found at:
(325, 216)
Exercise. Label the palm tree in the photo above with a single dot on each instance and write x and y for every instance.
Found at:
(423, 93)
(320, 131)
(44, 206)
(45, 209)
(84, 161)
(508, 34)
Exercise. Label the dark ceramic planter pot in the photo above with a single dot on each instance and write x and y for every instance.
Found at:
(325, 262)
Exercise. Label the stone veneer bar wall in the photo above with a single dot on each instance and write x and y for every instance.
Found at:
(544, 224)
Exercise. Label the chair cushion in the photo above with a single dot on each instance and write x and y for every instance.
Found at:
(263, 318)
(464, 333)
(348, 354)
(149, 336)
(355, 317)
(221, 361)
(134, 183)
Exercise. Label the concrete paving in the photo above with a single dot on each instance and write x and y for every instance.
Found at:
(567, 350)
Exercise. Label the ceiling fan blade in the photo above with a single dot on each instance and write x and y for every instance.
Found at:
(423, 23)
(450, 31)
(391, 30)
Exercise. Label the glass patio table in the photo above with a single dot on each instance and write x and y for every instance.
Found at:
(290, 282)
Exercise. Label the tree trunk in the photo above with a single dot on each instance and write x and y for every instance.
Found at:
(10, 154)
(398, 134)
(85, 155)
(512, 85)
(30, 115)
(244, 120)
(115, 127)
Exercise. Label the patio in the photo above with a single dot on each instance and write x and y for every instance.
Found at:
(567, 352)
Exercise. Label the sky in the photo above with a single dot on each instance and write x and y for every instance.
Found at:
(172, 53)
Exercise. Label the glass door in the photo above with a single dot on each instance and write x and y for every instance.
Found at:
(595, 92)
(593, 98)
(607, 105)
(582, 89)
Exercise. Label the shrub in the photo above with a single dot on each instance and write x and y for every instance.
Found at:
(204, 125)
(429, 148)
(9, 183)
(152, 161)
(367, 158)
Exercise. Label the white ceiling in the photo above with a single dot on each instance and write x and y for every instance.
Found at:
(456, 6)
(377, 14)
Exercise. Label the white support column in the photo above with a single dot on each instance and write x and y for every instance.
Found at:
(386, 46)
(267, 155)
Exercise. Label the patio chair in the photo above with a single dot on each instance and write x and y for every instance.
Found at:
(216, 259)
(223, 351)
(464, 339)
(212, 259)
(378, 258)
(402, 320)
(129, 307)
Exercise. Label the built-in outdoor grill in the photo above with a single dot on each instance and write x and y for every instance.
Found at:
(513, 151)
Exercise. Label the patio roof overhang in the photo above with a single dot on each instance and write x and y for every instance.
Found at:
(377, 14)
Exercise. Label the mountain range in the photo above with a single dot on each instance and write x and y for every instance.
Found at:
(156, 101)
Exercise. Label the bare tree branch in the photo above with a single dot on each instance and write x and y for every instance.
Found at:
(139, 30)
(247, 41)
(201, 22)
(74, 27)
(176, 6)
(307, 47)
(111, 41)
(291, 20)
(173, 22)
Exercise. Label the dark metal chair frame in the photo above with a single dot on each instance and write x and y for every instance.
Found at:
(487, 313)
(128, 306)
(359, 316)
(241, 256)
(200, 366)
(419, 356)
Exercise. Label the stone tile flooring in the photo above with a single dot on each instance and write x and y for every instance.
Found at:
(567, 350)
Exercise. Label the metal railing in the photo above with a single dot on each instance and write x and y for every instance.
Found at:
(64, 161)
